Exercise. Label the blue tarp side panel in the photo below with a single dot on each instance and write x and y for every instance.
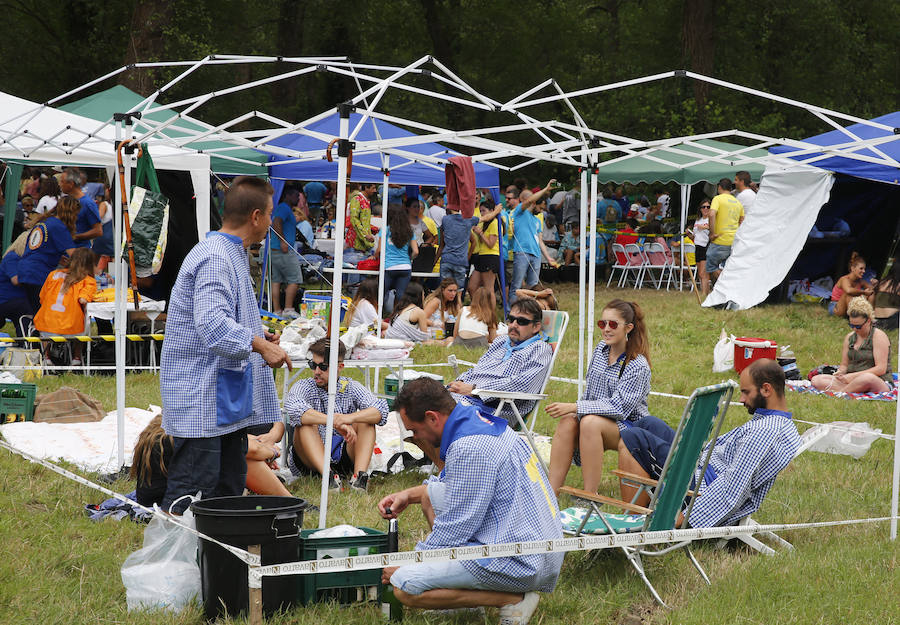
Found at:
(367, 167)
(853, 167)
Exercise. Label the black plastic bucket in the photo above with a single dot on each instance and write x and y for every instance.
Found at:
(273, 523)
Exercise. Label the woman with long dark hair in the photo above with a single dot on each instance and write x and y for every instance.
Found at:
(399, 249)
(616, 390)
(408, 321)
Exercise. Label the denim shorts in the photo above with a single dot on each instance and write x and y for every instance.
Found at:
(285, 267)
(716, 255)
(457, 272)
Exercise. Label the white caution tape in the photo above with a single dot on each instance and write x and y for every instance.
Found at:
(473, 552)
(535, 547)
(246, 556)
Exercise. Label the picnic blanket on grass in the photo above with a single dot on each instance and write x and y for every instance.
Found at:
(805, 386)
(89, 446)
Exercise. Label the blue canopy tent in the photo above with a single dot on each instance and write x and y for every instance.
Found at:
(869, 209)
(851, 202)
(418, 163)
(852, 167)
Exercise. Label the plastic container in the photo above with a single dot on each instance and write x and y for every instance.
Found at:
(748, 349)
(392, 385)
(17, 400)
(273, 523)
(323, 586)
(318, 304)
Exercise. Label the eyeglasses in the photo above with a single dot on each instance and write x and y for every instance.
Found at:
(510, 197)
(855, 326)
(611, 323)
(318, 365)
(522, 321)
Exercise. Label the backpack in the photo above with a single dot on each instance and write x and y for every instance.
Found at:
(612, 215)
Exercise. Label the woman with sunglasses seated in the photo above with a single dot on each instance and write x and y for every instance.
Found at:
(615, 395)
(865, 360)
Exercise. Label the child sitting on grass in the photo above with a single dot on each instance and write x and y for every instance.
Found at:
(153, 452)
(64, 296)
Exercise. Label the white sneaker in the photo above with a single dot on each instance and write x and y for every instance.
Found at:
(519, 613)
(290, 313)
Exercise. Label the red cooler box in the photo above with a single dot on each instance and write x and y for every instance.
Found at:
(748, 349)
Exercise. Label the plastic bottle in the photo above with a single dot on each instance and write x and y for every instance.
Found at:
(391, 608)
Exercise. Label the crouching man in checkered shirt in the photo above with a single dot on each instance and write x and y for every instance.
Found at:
(744, 461)
(491, 490)
(214, 377)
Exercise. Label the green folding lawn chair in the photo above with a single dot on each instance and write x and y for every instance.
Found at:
(703, 415)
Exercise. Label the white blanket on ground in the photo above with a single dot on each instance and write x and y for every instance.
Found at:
(89, 446)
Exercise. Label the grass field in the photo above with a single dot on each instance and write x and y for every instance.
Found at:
(59, 567)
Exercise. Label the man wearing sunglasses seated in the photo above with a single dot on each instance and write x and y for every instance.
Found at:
(514, 363)
(356, 412)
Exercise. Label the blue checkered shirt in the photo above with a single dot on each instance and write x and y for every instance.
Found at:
(496, 492)
(351, 397)
(524, 372)
(211, 323)
(608, 394)
(746, 461)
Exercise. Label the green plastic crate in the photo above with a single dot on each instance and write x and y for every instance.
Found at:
(392, 385)
(319, 586)
(18, 400)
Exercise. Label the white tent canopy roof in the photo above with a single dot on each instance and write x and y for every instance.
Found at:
(32, 132)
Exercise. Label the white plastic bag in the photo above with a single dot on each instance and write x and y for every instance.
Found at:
(723, 353)
(841, 437)
(163, 574)
(338, 531)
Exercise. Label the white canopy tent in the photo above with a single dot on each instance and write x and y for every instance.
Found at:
(39, 134)
(573, 144)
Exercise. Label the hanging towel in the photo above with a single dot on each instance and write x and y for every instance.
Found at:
(460, 176)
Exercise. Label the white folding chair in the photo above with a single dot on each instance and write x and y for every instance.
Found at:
(620, 262)
(637, 261)
(553, 326)
(657, 259)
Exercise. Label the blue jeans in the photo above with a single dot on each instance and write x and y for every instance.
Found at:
(716, 255)
(457, 272)
(527, 269)
(395, 280)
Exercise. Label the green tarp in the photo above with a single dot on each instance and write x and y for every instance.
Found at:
(643, 169)
(119, 99)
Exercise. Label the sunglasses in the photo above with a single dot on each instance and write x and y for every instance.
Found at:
(704, 206)
(857, 327)
(522, 321)
(318, 365)
(611, 323)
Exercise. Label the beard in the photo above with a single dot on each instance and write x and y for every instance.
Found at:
(756, 403)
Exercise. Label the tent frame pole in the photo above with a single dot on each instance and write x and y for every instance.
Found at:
(344, 110)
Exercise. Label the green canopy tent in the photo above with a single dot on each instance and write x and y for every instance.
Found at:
(687, 163)
(101, 106)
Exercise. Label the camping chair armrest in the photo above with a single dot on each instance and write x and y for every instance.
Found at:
(494, 394)
(626, 477)
(577, 492)
(637, 479)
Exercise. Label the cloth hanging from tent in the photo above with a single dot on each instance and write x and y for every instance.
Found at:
(460, 176)
(771, 237)
(150, 211)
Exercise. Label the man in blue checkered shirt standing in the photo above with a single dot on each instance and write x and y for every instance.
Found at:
(214, 376)
(744, 462)
(492, 490)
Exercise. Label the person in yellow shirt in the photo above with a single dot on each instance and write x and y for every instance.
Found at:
(486, 255)
(725, 215)
(63, 297)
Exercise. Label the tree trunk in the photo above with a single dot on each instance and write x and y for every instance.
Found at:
(698, 44)
(145, 43)
(289, 42)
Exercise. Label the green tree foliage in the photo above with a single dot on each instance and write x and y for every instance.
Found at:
(832, 53)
